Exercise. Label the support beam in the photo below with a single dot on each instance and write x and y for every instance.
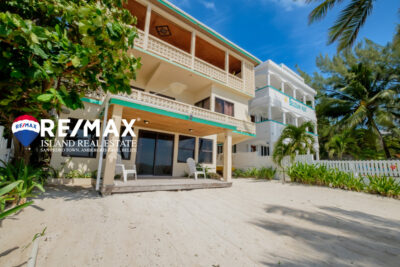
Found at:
(296, 121)
(228, 156)
(284, 117)
(227, 64)
(304, 99)
(112, 150)
(283, 86)
(268, 79)
(147, 26)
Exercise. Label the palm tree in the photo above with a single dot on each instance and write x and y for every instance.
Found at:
(362, 100)
(348, 24)
(342, 143)
(293, 140)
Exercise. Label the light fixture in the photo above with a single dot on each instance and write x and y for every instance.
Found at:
(146, 122)
(163, 30)
(190, 130)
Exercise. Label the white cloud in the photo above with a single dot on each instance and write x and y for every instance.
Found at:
(209, 5)
(288, 5)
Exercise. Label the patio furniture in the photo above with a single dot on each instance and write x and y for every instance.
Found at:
(125, 172)
(193, 170)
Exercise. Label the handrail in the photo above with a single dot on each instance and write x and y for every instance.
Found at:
(291, 97)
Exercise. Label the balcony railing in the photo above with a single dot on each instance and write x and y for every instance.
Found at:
(183, 108)
(185, 59)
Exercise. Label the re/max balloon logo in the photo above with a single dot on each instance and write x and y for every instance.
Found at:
(26, 128)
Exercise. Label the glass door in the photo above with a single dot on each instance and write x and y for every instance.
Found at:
(154, 153)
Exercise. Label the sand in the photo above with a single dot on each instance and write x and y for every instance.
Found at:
(251, 224)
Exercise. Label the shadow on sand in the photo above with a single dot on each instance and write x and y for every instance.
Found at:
(340, 237)
(69, 193)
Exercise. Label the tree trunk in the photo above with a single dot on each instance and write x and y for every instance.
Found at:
(383, 142)
(21, 152)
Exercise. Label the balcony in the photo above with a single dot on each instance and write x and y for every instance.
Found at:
(171, 53)
(194, 113)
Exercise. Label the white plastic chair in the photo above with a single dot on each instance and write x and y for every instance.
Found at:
(125, 172)
(193, 170)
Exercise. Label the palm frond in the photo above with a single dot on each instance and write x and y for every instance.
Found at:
(321, 10)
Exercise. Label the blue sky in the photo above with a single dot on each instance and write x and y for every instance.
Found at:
(278, 29)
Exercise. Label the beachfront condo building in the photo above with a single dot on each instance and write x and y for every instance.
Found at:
(191, 93)
(281, 98)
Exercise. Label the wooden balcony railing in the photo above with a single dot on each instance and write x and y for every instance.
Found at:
(174, 54)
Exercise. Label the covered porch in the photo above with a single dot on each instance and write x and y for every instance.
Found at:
(158, 148)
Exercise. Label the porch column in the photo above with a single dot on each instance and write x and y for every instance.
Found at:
(284, 117)
(228, 156)
(193, 48)
(112, 149)
(304, 99)
(296, 121)
(243, 76)
(269, 111)
(147, 26)
(283, 86)
(268, 79)
(271, 148)
(294, 93)
(227, 65)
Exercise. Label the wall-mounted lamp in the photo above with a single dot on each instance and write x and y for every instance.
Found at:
(190, 130)
(146, 122)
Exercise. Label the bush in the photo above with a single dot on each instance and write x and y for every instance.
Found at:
(320, 175)
(80, 174)
(18, 182)
(262, 173)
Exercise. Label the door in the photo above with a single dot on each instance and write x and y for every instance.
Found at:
(154, 153)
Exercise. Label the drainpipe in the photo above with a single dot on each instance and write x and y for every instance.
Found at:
(99, 168)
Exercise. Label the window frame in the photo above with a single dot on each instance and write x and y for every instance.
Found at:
(200, 103)
(201, 140)
(186, 149)
(223, 106)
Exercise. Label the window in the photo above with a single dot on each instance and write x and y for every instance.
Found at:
(264, 151)
(220, 149)
(234, 149)
(224, 107)
(125, 146)
(263, 119)
(205, 150)
(253, 118)
(79, 145)
(253, 148)
(205, 103)
(186, 148)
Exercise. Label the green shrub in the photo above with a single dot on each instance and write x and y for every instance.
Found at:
(262, 173)
(213, 175)
(266, 173)
(80, 174)
(386, 186)
(321, 175)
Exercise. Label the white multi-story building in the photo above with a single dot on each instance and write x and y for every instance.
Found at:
(281, 98)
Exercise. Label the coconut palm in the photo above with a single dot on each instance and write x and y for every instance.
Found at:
(342, 143)
(293, 140)
(350, 20)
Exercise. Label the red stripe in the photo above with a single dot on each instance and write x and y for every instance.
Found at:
(25, 117)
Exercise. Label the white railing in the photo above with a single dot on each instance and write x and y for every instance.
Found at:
(168, 51)
(209, 70)
(172, 53)
(235, 82)
(364, 167)
(176, 106)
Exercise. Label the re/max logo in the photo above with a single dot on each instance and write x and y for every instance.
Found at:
(47, 127)
(25, 125)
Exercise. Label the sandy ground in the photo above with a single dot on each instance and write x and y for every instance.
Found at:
(251, 224)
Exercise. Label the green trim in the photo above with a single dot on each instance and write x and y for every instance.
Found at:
(270, 86)
(92, 101)
(186, 68)
(169, 113)
(284, 124)
(244, 133)
(219, 37)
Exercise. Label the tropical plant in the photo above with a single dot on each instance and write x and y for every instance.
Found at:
(81, 174)
(348, 24)
(359, 89)
(342, 143)
(28, 178)
(293, 141)
(53, 52)
(267, 173)
(6, 197)
(386, 186)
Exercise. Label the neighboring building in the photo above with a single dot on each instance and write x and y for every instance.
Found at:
(191, 93)
(282, 98)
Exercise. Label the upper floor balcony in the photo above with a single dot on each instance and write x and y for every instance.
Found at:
(164, 36)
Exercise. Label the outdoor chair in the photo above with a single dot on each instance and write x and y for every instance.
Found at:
(193, 170)
(125, 172)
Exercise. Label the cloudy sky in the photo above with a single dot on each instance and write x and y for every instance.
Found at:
(278, 29)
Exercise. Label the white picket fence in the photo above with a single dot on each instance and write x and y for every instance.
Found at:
(364, 167)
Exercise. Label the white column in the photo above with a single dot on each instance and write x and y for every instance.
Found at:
(284, 117)
(193, 48)
(296, 121)
(112, 149)
(294, 93)
(304, 99)
(147, 26)
(269, 111)
(283, 86)
(228, 156)
(227, 65)
(268, 79)
(244, 76)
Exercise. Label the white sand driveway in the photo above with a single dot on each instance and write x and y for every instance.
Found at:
(251, 224)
